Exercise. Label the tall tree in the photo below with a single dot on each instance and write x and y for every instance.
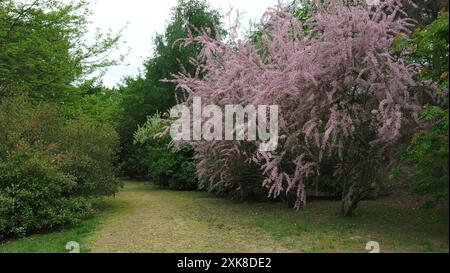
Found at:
(43, 51)
(428, 149)
(341, 93)
(149, 94)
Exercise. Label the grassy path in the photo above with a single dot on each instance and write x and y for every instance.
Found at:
(163, 221)
(166, 221)
(144, 218)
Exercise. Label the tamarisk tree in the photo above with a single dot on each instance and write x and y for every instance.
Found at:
(342, 95)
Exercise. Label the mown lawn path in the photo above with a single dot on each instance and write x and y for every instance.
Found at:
(161, 221)
(147, 219)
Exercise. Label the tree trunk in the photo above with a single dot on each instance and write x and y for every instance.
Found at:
(289, 199)
(351, 200)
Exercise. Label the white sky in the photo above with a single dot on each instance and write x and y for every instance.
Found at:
(145, 18)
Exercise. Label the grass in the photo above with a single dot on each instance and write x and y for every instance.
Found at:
(144, 218)
(55, 241)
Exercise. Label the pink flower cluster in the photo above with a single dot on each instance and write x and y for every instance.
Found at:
(329, 76)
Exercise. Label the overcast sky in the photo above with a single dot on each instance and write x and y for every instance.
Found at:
(145, 18)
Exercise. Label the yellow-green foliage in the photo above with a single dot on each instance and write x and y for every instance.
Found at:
(50, 167)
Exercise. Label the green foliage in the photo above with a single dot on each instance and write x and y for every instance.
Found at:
(429, 48)
(169, 167)
(140, 99)
(93, 148)
(103, 106)
(42, 48)
(56, 145)
(149, 94)
(168, 54)
(428, 150)
(50, 167)
(35, 194)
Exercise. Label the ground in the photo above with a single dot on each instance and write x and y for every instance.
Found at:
(144, 218)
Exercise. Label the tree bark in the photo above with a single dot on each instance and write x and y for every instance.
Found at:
(351, 200)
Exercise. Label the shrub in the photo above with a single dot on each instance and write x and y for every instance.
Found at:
(35, 194)
(50, 167)
(92, 149)
(168, 166)
(428, 149)
(429, 153)
(346, 101)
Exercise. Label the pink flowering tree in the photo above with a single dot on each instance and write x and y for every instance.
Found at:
(343, 97)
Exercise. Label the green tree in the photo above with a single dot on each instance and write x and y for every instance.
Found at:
(149, 94)
(43, 51)
(168, 166)
(428, 149)
(56, 146)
